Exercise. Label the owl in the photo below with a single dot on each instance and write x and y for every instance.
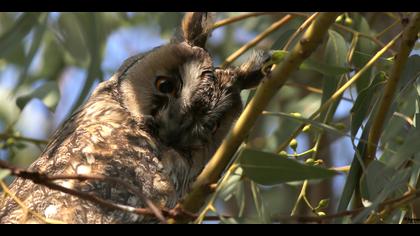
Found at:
(153, 125)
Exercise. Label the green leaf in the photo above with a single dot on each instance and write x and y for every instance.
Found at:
(393, 187)
(310, 64)
(354, 174)
(269, 169)
(373, 181)
(363, 101)
(334, 57)
(314, 123)
(229, 187)
(49, 93)
(168, 22)
(35, 46)
(336, 49)
(397, 131)
(407, 150)
(325, 69)
(12, 39)
(364, 47)
(4, 173)
(52, 58)
(416, 118)
(69, 31)
(410, 72)
(95, 43)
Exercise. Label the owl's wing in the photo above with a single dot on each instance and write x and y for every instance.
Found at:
(100, 139)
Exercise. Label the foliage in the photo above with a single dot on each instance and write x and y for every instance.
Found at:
(266, 182)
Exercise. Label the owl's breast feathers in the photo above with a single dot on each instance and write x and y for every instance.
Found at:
(102, 138)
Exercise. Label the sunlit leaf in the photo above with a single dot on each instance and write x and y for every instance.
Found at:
(49, 93)
(4, 173)
(269, 169)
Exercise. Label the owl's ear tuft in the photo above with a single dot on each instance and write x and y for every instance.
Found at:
(251, 72)
(195, 28)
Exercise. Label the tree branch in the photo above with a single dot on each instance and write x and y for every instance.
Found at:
(234, 19)
(5, 136)
(257, 39)
(301, 28)
(265, 91)
(45, 180)
(408, 39)
(387, 205)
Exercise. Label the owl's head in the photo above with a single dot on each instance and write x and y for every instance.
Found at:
(188, 102)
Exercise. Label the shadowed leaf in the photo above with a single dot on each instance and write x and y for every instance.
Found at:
(269, 169)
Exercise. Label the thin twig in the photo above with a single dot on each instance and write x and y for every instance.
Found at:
(311, 89)
(380, 34)
(7, 191)
(300, 197)
(5, 136)
(350, 30)
(374, 39)
(276, 25)
(390, 205)
(301, 28)
(234, 19)
(344, 169)
(43, 179)
(83, 177)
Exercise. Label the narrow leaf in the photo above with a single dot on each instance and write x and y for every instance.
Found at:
(48, 93)
(269, 169)
(363, 101)
(34, 48)
(4, 173)
(311, 64)
(11, 39)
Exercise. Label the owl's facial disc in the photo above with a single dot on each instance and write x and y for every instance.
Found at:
(189, 103)
(190, 111)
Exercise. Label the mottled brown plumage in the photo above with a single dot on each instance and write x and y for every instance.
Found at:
(156, 138)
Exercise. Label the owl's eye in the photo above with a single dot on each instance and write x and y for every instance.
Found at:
(213, 127)
(165, 85)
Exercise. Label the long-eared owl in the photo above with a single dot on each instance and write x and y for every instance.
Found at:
(154, 125)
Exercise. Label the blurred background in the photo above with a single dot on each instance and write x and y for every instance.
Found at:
(50, 63)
